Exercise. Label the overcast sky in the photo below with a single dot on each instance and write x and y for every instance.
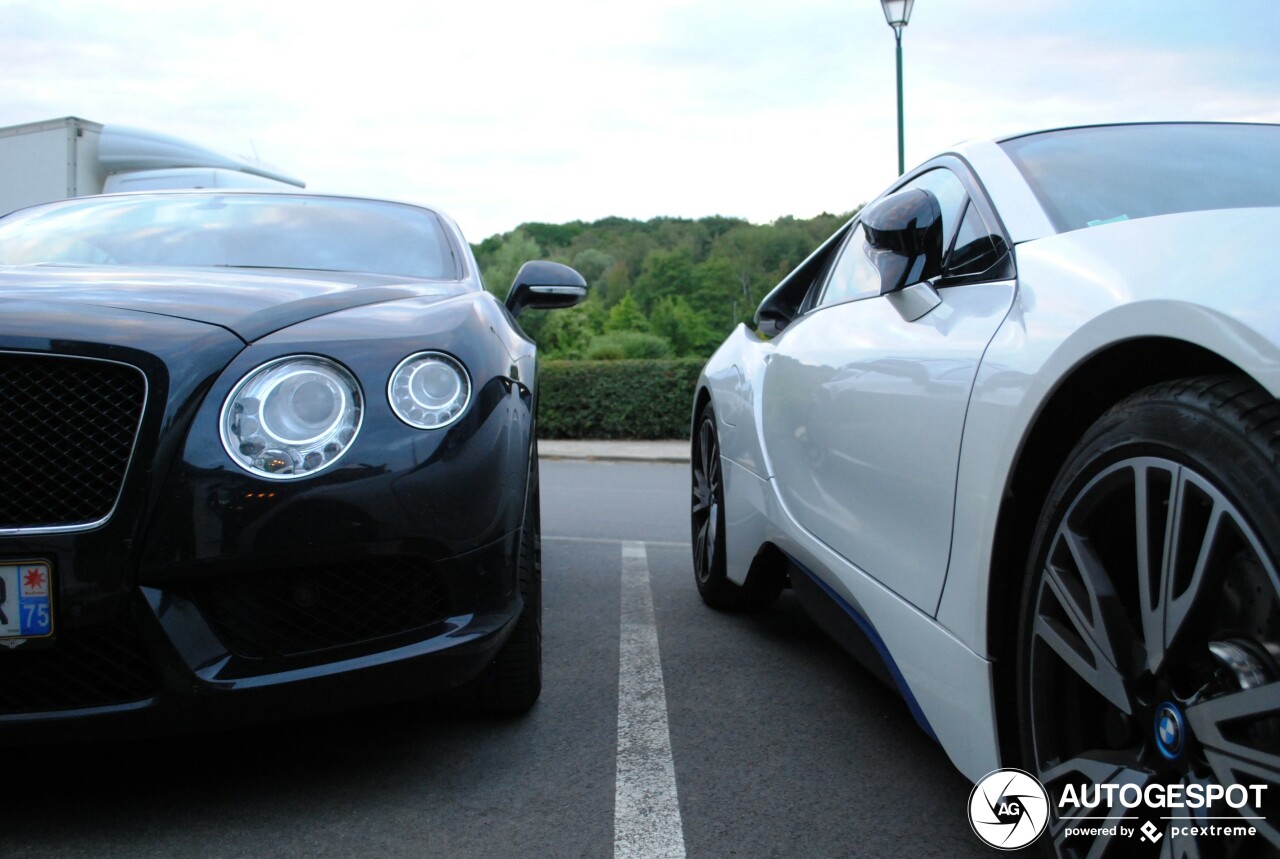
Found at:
(501, 112)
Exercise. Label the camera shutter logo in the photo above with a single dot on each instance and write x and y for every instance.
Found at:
(1008, 809)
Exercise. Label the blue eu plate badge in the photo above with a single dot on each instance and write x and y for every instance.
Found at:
(26, 609)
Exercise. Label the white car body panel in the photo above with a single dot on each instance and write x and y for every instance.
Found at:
(862, 417)
(1079, 292)
(734, 374)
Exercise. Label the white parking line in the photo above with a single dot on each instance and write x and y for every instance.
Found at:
(646, 811)
(664, 544)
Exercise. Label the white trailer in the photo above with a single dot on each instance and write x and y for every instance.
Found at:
(72, 157)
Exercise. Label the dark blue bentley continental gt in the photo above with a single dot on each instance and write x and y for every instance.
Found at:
(263, 454)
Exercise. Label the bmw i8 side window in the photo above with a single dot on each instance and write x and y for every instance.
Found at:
(978, 252)
(853, 276)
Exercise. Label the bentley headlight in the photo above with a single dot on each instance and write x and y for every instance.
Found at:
(291, 417)
(429, 390)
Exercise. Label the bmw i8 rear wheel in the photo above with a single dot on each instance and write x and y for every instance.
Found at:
(1149, 654)
(707, 524)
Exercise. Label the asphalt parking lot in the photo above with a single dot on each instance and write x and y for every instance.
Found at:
(664, 729)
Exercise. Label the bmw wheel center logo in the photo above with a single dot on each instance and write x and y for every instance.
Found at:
(1171, 731)
(1008, 809)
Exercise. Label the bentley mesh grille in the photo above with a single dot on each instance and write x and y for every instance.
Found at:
(83, 668)
(69, 429)
(289, 612)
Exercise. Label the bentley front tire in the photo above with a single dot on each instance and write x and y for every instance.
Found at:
(1149, 645)
(511, 684)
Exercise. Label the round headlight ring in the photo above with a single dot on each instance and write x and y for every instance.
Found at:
(429, 390)
(291, 417)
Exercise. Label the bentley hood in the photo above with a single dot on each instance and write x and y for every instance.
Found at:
(251, 303)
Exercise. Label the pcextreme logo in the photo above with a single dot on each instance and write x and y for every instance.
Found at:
(1009, 809)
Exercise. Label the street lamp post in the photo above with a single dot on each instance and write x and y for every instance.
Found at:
(897, 13)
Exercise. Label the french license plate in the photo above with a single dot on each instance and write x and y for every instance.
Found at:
(26, 600)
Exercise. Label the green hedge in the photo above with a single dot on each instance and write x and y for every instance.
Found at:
(617, 399)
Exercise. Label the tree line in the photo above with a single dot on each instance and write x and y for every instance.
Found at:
(666, 287)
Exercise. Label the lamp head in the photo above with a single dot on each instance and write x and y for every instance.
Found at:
(897, 13)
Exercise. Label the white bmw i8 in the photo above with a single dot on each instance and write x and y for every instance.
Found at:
(1013, 434)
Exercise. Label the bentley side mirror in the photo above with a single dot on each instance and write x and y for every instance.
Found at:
(904, 238)
(545, 285)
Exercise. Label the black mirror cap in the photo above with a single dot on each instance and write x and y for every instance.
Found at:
(546, 285)
(904, 238)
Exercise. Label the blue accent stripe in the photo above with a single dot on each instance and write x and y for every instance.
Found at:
(878, 643)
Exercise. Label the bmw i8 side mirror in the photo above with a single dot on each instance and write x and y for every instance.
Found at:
(904, 238)
(770, 321)
(546, 285)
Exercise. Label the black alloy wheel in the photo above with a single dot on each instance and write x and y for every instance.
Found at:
(706, 519)
(1149, 653)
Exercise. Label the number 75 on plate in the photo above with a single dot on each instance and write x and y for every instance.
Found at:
(25, 609)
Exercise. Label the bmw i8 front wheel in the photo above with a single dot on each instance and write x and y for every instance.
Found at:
(1149, 655)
